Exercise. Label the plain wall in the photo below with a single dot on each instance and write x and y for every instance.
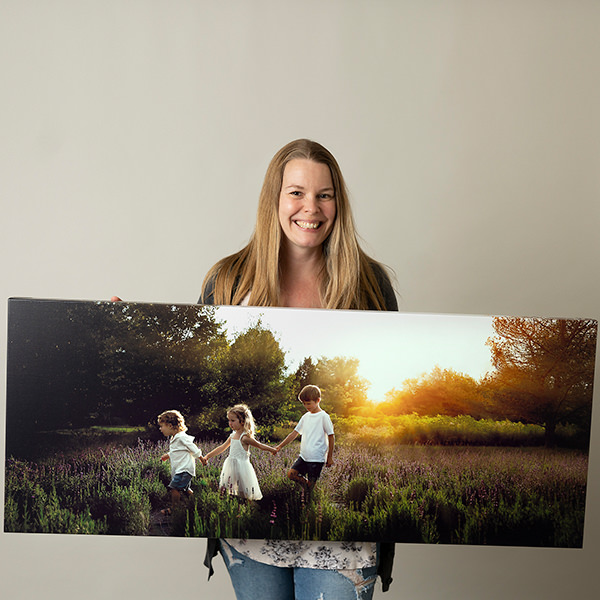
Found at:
(134, 136)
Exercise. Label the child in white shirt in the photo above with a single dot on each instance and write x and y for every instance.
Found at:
(182, 454)
(317, 443)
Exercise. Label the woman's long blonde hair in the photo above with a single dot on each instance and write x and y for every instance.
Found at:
(348, 280)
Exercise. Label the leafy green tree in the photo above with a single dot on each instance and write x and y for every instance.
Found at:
(159, 356)
(253, 372)
(305, 374)
(75, 363)
(50, 382)
(544, 371)
(343, 389)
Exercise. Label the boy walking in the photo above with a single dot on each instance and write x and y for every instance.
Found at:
(182, 454)
(317, 443)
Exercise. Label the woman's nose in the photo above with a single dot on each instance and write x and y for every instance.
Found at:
(311, 205)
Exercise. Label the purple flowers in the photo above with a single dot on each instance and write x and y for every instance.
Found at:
(463, 495)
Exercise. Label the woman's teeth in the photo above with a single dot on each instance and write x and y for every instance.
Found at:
(307, 225)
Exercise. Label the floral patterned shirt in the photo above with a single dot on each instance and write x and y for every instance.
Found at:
(311, 555)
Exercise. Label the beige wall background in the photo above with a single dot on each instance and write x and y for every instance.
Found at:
(134, 136)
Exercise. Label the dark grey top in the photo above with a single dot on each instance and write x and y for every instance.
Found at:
(389, 296)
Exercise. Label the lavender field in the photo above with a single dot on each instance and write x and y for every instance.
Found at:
(403, 493)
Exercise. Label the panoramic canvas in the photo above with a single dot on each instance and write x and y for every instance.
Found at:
(239, 422)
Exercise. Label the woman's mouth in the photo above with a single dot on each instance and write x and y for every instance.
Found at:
(308, 224)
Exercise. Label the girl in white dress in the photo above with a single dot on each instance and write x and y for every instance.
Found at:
(237, 475)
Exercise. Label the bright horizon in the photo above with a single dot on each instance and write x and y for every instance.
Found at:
(391, 346)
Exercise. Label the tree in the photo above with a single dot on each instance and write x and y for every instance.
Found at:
(253, 372)
(342, 387)
(544, 371)
(51, 378)
(156, 357)
(440, 392)
(305, 374)
(75, 363)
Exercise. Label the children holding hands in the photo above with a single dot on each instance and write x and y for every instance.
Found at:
(238, 476)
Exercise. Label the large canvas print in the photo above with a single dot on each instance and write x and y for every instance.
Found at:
(239, 422)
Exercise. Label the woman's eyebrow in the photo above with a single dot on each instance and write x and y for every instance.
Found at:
(300, 187)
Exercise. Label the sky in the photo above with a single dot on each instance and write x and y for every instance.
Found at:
(390, 346)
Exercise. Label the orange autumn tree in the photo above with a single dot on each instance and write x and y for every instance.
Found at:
(544, 371)
(439, 392)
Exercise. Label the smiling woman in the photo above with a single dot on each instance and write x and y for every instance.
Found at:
(304, 251)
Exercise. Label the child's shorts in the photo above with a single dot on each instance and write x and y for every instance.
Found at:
(181, 482)
(311, 470)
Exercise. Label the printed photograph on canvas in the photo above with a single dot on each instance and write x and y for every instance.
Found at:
(238, 422)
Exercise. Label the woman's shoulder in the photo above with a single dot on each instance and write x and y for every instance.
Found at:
(207, 295)
(385, 285)
(225, 274)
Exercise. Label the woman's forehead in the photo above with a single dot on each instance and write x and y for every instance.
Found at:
(304, 169)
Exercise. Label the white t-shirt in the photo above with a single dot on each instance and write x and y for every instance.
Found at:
(314, 429)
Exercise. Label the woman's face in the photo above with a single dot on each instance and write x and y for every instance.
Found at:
(307, 205)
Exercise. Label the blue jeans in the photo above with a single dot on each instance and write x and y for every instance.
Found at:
(252, 580)
(181, 482)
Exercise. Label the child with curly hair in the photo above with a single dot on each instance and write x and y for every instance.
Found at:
(182, 454)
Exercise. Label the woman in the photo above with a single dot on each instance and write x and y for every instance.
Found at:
(303, 253)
